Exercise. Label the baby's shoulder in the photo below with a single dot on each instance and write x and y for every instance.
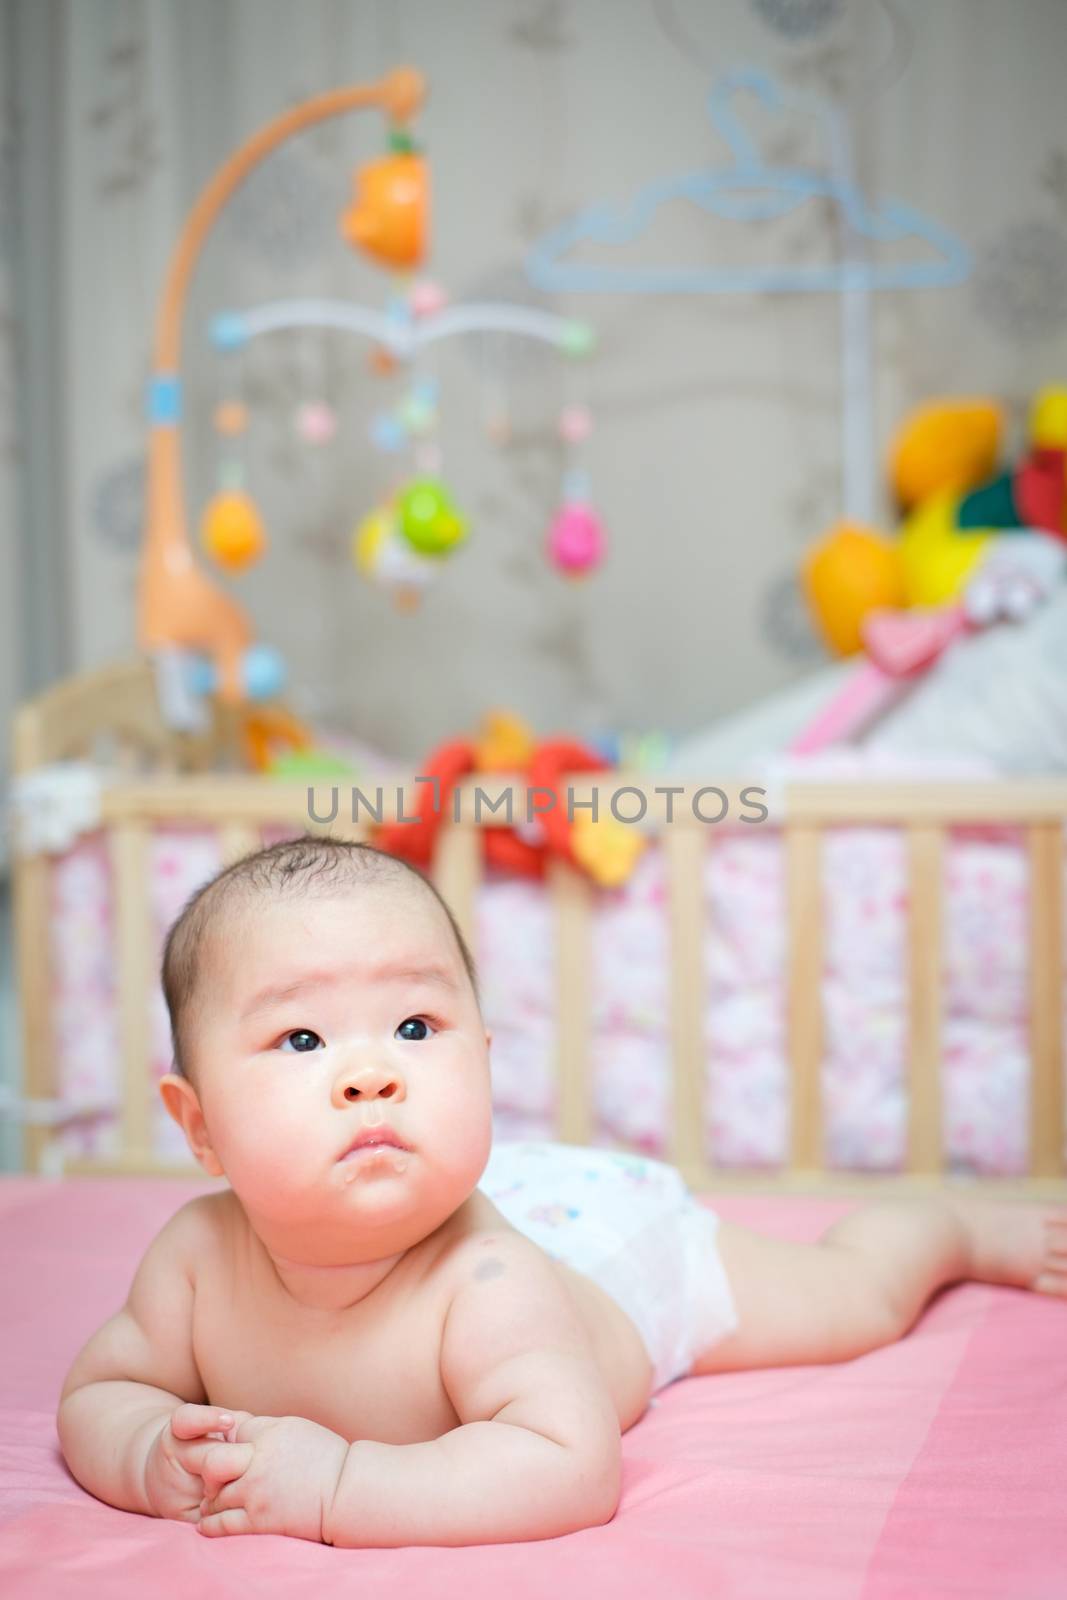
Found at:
(197, 1229)
(210, 1213)
(485, 1247)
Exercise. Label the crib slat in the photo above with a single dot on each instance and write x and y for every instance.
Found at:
(457, 872)
(134, 943)
(684, 848)
(237, 839)
(33, 953)
(804, 1013)
(925, 874)
(1046, 999)
(572, 903)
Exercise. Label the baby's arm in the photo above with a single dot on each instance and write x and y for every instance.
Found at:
(135, 1373)
(538, 1452)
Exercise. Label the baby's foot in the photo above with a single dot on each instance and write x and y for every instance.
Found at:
(1023, 1243)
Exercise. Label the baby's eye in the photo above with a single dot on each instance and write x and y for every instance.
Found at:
(303, 1040)
(418, 1023)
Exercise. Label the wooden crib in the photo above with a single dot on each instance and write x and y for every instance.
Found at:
(165, 777)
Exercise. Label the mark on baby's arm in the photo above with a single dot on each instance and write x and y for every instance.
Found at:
(491, 1267)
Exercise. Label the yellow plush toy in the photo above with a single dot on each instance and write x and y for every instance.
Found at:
(947, 444)
(607, 849)
(849, 572)
(505, 743)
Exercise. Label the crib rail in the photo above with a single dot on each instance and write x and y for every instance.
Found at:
(119, 705)
(240, 808)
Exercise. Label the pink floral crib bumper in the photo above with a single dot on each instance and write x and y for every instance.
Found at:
(985, 1029)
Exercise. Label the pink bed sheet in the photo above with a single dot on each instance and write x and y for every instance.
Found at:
(933, 1468)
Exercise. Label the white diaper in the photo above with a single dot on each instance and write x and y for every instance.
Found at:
(632, 1226)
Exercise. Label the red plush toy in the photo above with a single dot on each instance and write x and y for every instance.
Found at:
(506, 848)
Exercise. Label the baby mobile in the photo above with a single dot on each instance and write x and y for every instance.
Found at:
(199, 637)
(400, 544)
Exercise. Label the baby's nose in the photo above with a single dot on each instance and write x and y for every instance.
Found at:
(368, 1083)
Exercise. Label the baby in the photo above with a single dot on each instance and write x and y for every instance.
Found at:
(380, 1334)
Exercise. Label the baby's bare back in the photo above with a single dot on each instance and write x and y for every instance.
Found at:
(372, 1370)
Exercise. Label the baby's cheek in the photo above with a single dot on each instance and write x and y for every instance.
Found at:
(262, 1142)
(464, 1146)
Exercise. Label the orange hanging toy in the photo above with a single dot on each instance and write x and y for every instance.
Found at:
(389, 215)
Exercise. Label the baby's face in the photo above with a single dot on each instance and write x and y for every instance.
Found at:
(323, 1018)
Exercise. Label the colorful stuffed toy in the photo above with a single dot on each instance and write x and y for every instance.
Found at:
(940, 466)
(974, 547)
(605, 849)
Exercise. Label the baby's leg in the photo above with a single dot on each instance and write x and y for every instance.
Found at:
(865, 1282)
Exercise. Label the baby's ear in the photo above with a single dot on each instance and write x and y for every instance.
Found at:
(180, 1099)
(488, 1039)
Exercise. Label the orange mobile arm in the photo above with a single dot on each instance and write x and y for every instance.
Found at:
(178, 604)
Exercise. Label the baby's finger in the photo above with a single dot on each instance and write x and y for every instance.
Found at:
(193, 1422)
(194, 1455)
(190, 1453)
(224, 1522)
(251, 1427)
(233, 1433)
(223, 1463)
(225, 1498)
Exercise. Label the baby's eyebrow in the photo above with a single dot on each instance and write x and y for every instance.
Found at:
(276, 994)
(439, 975)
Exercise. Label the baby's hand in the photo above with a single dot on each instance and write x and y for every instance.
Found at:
(193, 1455)
(288, 1485)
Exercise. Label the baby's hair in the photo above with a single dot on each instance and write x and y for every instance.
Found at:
(312, 864)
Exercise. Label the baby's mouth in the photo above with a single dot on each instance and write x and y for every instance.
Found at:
(376, 1141)
(375, 1155)
(366, 1152)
